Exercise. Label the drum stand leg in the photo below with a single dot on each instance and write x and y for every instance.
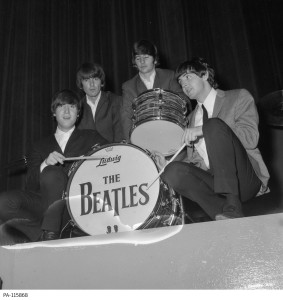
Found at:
(69, 224)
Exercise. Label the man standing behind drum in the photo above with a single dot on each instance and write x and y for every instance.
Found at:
(100, 110)
(145, 59)
(47, 174)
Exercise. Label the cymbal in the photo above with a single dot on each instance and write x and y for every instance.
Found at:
(272, 108)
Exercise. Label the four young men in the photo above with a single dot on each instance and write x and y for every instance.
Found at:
(222, 167)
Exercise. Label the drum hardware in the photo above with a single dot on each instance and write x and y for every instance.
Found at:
(173, 157)
(72, 168)
(116, 229)
(165, 186)
(20, 161)
(85, 157)
(95, 146)
(71, 230)
(71, 224)
(159, 120)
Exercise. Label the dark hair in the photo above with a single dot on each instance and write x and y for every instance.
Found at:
(144, 47)
(198, 66)
(65, 97)
(90, 70)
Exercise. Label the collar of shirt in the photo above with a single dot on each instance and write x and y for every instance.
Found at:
(92, 105)
(209, 102)
(148, 83)
(62, 137)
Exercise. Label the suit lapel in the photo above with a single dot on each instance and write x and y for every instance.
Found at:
(157, 83)
(74, 139)
(87, 115)
(53, 144)
(219, 100)
(102, 101)
(140, 85)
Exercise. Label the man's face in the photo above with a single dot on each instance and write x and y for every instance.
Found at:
(92, 86)
(145, 63)
(192, 85)
(66, 116)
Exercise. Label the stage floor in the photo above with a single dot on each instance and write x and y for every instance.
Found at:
(241, 253)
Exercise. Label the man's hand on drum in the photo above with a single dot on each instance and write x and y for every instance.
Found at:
(159, 158)
(191, 134)
(54, 158)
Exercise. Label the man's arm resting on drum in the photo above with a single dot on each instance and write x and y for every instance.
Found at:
(52, 159)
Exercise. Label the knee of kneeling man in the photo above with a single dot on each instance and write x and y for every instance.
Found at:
(170, 174)
(213, 125)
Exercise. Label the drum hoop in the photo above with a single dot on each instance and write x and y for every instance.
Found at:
(142, 108)
(155, 119)
(161, 91)
(143, 102)
(76, 167)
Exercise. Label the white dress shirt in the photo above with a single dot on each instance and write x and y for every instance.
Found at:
(92, 105)
(148, 83)
(209, 105)
(62, 138)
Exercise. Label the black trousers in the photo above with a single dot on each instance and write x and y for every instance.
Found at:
(231, 172)
(25, 209)
(56, 216)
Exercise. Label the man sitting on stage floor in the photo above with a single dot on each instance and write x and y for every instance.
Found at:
(47, 174)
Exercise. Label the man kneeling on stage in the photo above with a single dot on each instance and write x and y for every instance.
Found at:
(223, 167)
(47, 174)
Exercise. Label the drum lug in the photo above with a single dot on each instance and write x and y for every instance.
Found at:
(149, 154)
(73, 167)
(96, 146)
(64, 194)
(165, 186)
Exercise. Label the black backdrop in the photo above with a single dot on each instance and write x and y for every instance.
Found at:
(42, 42)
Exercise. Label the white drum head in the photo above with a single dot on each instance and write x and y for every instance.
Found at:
(111, 194)
(161, 135)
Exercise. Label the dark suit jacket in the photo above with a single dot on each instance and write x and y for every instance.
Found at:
(107, 117)
(79, 143)
(238, 110)
(164, 79)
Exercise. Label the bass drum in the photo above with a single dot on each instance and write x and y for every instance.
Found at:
(109, 193)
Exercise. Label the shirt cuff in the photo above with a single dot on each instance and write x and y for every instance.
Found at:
(42, 166)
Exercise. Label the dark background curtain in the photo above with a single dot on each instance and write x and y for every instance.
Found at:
(42, 43)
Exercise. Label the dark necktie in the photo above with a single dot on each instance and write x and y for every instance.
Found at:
(204, 115)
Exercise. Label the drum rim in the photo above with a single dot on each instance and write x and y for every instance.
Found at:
(160, 91)
(76, 167)
(154, 119)
(161, 107)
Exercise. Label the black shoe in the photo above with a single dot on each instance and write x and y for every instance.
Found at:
(48, 236)
(230, 212)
